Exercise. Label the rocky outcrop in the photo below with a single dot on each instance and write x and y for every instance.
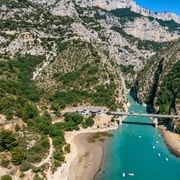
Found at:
(143, 28)
(151, 78)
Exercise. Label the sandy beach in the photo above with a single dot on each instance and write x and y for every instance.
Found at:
(89, 156)
(172, 140)
(85, 158)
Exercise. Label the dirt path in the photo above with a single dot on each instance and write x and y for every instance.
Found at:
(50, 155)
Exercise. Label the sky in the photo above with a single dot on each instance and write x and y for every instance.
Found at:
(172, 6)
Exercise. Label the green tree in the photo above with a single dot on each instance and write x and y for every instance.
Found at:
(25, 166)
(56, 130)
(7, 140)
(89, 121)
(18, 155)
(42, 123)
(29, 112)
(6, 177)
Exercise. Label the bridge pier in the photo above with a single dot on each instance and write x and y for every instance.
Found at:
(120, 120)
(155, 122)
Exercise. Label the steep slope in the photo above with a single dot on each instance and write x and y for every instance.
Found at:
(158, 83)
(79, 40)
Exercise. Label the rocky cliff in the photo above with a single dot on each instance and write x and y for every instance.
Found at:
(119, 35)
(158, 83)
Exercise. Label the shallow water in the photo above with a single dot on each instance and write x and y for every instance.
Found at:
(139, 150)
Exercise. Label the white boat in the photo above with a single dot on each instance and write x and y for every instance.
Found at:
(159, 154)
(157, 142)
(131, 174)
(139, 136)
(166, 159)
(123, 174)
(153, 147)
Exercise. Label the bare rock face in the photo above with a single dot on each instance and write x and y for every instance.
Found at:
(84, 33)
(67, 20)
(66, 7)
(122, 47)
(116, 4)
(143, 28)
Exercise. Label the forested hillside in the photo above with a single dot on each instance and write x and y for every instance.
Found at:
(160, 87)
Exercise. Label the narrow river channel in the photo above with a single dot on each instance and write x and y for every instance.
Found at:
(138, 152)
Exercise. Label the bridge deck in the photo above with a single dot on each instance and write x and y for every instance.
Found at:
(145, 115)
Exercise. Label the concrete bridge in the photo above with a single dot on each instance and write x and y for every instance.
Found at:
(153, 116)
(177, 117)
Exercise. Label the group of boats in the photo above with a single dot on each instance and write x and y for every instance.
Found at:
(129, 174)
(158, 154)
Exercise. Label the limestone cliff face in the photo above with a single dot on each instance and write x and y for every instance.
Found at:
(143, 28)
(151, 80)
(120, 33)
(107, 5)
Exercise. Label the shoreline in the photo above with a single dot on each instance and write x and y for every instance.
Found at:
(82, 151)
(102, 124)
(172, 140)
(89, 157)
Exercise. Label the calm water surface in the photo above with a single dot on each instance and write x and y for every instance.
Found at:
(140, 150)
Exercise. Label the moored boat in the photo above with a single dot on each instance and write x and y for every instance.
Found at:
(123, 174)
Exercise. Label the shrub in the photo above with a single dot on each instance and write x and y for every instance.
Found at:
(25, 166)
(6, 177)
(7, 140)
(4, 162)
(18, 155)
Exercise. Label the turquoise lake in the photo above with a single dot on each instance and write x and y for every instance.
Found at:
(139, 150)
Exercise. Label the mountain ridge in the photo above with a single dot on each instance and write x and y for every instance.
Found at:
(112, 5)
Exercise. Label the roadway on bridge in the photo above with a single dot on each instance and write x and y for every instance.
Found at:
(145, 115)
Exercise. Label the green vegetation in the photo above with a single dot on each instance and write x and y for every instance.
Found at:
(56, 131)
(177, 130)
(6, 177)
(7, 140)
(61, 46)
(42, 123)
(88, 122)
(18, 155)
(103, 96)
(128, 85)
(38, 150)
(72, 121)
(18, 92)
(127, 69)
(25, 166)
(125, 14)
(4, 162)
(169, 90)
(14, 4)
(172, 25)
